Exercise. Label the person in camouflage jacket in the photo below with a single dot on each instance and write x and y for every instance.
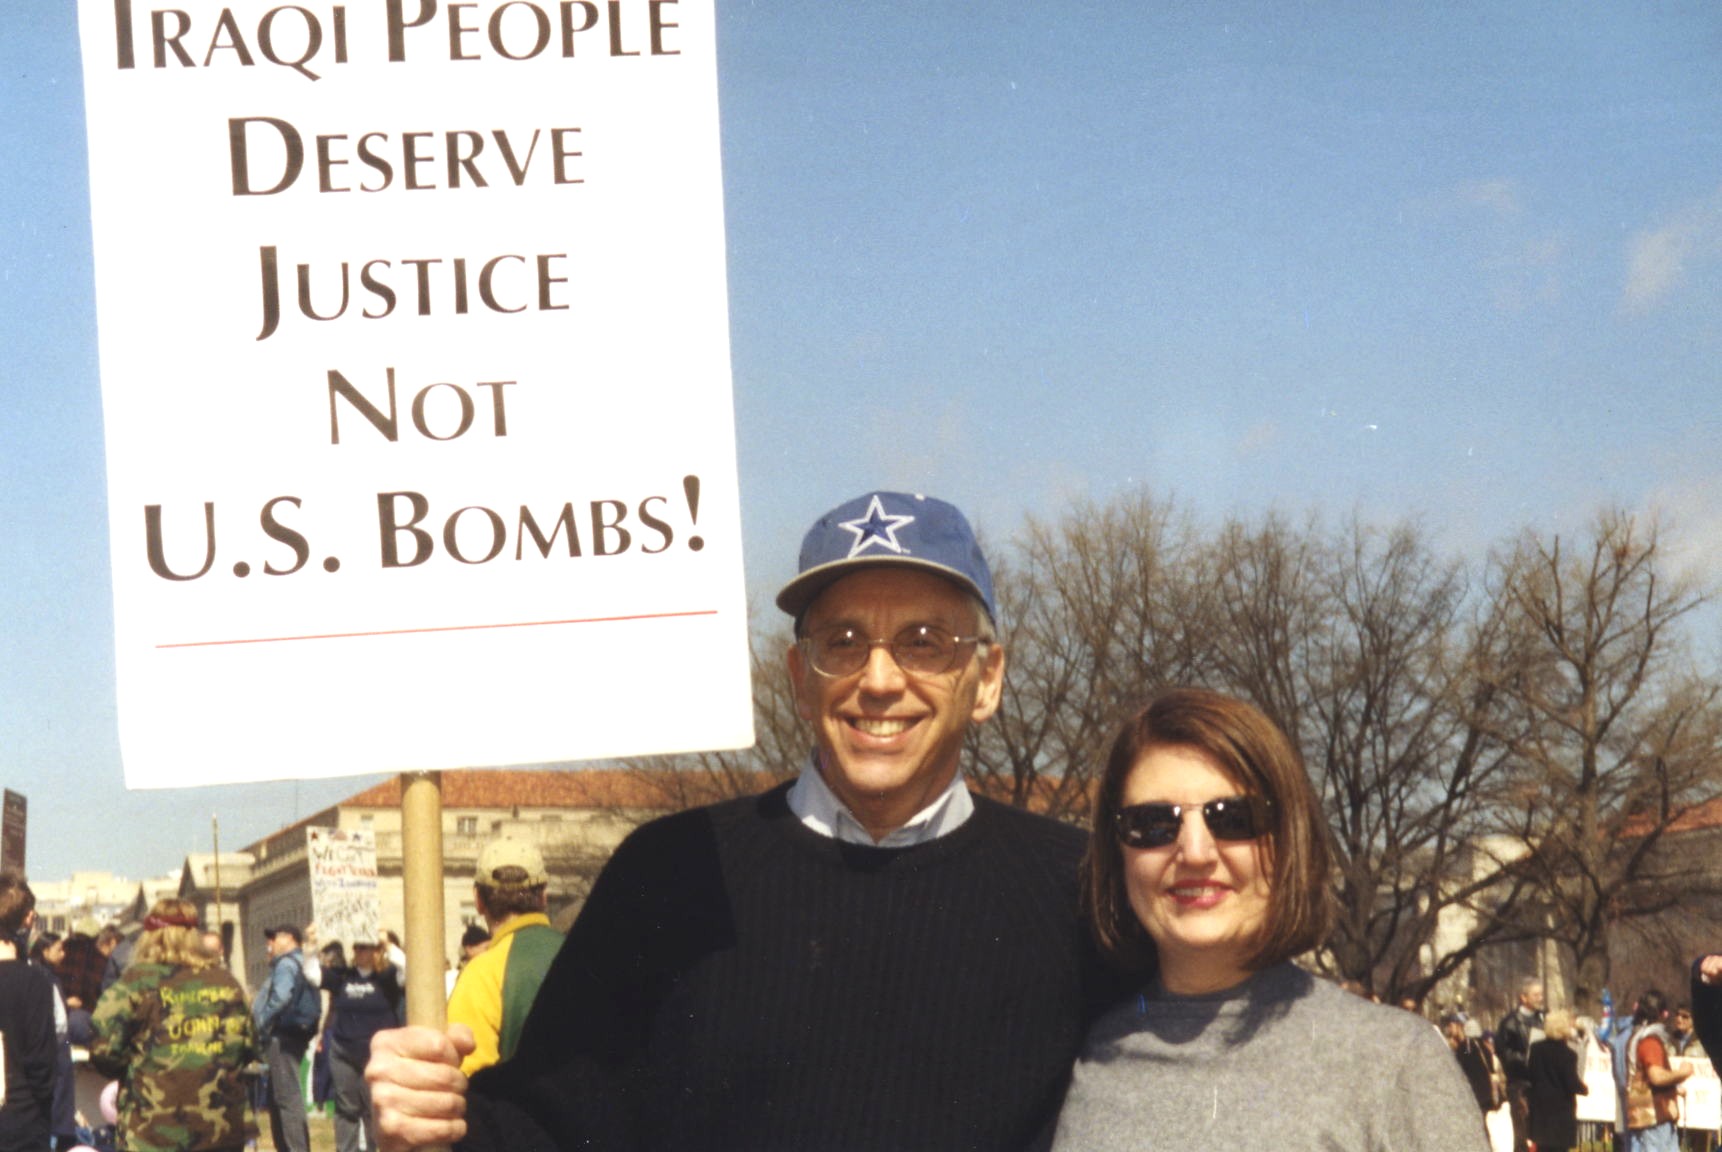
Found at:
(176, 1031)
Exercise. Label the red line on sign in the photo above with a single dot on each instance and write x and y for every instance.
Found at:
(443, 628)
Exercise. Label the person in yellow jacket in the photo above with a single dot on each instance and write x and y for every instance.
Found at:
(496, 988)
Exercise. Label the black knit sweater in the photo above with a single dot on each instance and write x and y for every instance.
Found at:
(737, 981)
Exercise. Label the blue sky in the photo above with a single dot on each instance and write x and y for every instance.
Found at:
(1460, 263)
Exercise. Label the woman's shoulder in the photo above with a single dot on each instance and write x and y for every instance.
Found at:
(1376, 1032)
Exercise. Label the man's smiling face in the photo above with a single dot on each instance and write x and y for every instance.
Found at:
(890, 741)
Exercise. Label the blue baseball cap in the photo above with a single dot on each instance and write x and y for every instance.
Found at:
(889, 528)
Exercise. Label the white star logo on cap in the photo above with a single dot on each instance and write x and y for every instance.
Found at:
(877, 527)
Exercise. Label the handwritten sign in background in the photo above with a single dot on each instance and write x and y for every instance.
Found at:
(343, 870)
(415, 376)
(1700, 1095)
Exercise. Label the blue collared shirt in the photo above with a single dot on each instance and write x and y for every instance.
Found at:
(817, 806)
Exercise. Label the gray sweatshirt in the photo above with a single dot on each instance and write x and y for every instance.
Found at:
(1283, 1061)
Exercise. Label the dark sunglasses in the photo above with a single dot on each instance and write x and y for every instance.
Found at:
(1157, 825)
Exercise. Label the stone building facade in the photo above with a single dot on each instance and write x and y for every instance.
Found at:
(576, 817)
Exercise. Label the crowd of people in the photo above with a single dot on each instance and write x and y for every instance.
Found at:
(869, 956)
(194, 1063)
(1532, 1067)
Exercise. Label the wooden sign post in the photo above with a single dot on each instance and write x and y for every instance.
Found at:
(421, 877)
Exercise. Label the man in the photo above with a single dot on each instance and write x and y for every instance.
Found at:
(285, 1011)
(867, 958)
(496, 989)
(1618, 1038)
(364, 999)
(210, 942)
(1647, 1056)
(1519, 1029)
(1473, 1062)
(1707, 1001)
(1683, 1040)
(116, 949)
(27, 1030)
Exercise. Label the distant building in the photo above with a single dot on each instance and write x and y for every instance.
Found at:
(214, 884)
(576, 817)
(148, 892)
(84, 902)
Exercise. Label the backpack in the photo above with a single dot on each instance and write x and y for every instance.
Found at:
(304, 1007)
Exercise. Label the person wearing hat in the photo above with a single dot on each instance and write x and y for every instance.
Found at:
(496, 989)
(868, 957)
(285, 1011)
(364, 998)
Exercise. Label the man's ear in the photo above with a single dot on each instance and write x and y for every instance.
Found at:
(990, 690)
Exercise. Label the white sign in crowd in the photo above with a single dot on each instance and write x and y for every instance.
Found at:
(344, 900)
(1700, 1096)
(1598, 1104)
(415, 375)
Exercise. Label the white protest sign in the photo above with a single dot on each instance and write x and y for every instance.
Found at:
(1700, 1095)
(415, 373)
(344, 902)
(1598, 1105)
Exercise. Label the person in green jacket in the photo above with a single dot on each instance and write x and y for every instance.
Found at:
(175, 1030)
(496, 989)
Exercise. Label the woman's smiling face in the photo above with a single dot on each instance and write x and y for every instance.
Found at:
(1204, 902)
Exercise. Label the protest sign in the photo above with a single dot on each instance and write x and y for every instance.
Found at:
(1598, 1104)
(344, 902)
(1700, 1095)
(415, 375)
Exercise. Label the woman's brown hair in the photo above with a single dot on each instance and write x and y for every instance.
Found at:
(1252, 750)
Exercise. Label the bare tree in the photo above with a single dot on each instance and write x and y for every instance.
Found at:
(1394, 733)
(1615, 734)
(1354, 643)
(1094, 619)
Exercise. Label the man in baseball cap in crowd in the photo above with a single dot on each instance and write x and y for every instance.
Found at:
(285, 1010)
(496, 989)
(868, 957)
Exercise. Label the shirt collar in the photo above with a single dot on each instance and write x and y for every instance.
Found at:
(516, 922)
(817, 806)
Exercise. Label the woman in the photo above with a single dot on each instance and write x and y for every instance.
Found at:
(1207, 870)
(48, 953)
(175, 1030)
(1555, 1085)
